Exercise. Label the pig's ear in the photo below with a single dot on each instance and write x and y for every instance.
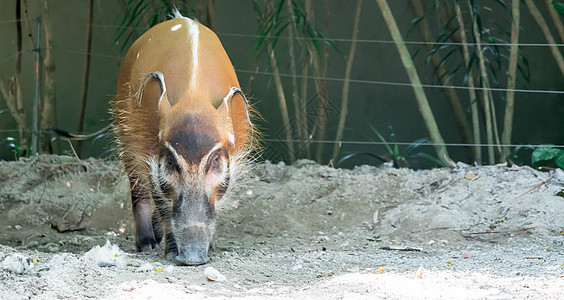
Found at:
(235, 102)
(235, 109)
(153, 87)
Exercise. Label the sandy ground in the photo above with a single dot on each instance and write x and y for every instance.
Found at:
(292, 232)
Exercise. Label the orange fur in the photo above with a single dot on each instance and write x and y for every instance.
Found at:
(176, 86)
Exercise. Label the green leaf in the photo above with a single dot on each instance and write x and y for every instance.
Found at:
(559, 7)
(560, 160)
(546, 152)
(410, 150)
(346, 157)
(432, 159)
(383, 140)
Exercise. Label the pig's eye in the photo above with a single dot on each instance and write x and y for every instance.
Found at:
(170, 162)
(170, 159)
(213, 160)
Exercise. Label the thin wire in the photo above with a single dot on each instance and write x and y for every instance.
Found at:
(8, 58)
(26, 130)
(117, 26)
(369, 41)
(363, 81)
(368, 142)
(404, 84)
(10, 21)
(405, 143)
(390, 41)
(91, 53)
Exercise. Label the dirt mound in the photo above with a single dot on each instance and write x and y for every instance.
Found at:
(294, 231)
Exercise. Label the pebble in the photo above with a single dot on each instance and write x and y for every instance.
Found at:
(214, 275)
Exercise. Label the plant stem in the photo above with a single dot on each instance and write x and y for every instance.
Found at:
(546, 31)
(293, 72)
(450, 94)
(485, 85)
(319, 70)
(13, 94)
(301, 98)
(86, 74)
(471, 90)
(282, 103)
(303, 106)
(210, 14)
(346, 84)
(556, 19)
(48, 115)
(512, 72)
(422, 102)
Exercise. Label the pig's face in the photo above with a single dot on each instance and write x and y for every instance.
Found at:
(190, 176)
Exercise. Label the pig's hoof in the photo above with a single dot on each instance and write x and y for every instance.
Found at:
(171, 255)
(149, 245)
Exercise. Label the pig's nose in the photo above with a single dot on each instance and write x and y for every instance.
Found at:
(193, 255)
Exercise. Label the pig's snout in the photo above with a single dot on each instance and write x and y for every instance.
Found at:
(193, 243)
(193, 254)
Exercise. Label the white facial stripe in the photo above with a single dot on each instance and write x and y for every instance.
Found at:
(211, 183)
(180, 162)
(205, 158)
(231, 138)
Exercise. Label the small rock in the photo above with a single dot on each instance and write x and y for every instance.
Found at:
(17, 263)
(107, 256)
(296, 265)
(169, 268)
(214, 275)
(249, 280)
(145, 268)
(462, 165)
(32, 244)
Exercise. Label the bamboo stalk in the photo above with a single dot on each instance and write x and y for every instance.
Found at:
(293, 72)
(48, 115)
(450, 94)
(546, 31)
(555, 19)
(485, 85)
(320, 84)
(282, 103)
(511, 79)
(199, 8)
(86, 74)
(303, 105)
(210, 14)
(301, 98)
(346, 84)
(494, 122)
(471, 90)
(12, 92)
(422, 102)
(281, 95)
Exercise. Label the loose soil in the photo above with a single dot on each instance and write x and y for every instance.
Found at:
(287, 232)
